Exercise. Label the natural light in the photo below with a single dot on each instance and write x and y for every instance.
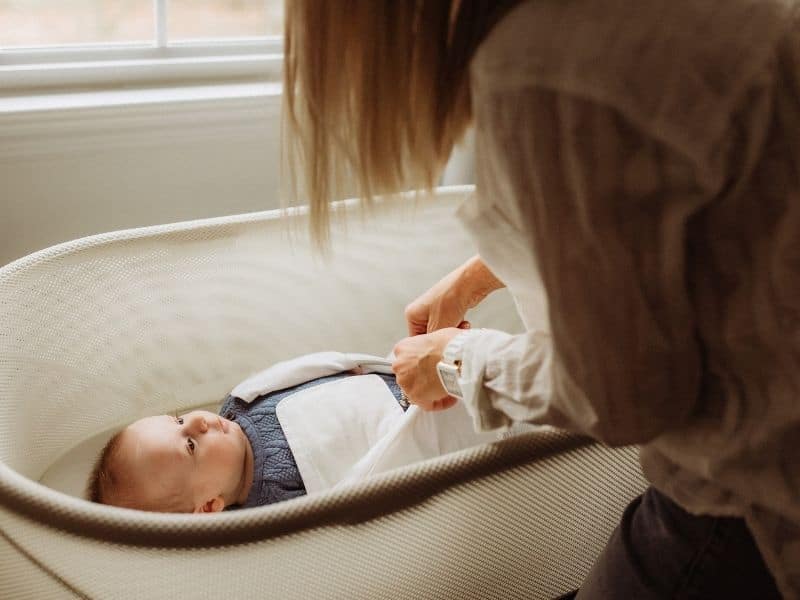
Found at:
(43, 23)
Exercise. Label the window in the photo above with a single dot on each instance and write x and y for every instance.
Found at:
(110, 107)
(112, 43)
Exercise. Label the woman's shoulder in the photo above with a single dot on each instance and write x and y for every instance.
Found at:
(577, 37)
(682, 63)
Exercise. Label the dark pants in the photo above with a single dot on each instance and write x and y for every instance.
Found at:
(661, 551)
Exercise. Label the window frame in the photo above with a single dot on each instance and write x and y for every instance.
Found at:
(158, 60)
(91, 97)
(113, 65)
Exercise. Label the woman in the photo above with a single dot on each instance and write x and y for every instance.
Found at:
(639, 162)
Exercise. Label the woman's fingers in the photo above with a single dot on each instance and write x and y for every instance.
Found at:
(443, 403)
(415, 370)
(417, 314)
(445, 303)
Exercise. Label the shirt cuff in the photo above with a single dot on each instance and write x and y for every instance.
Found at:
(474, 358)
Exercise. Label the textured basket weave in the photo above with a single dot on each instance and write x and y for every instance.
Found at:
(101, 331)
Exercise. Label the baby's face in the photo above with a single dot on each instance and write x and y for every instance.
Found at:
(197, 456)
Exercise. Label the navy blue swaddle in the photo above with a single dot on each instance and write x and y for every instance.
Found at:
(276, 476)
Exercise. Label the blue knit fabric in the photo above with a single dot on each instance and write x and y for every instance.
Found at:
(275, 474)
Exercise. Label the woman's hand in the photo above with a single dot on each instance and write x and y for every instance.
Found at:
(446, 302)
(415, 368)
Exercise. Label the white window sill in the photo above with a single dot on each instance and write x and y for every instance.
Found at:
(36, 124)
(66, 101)
(117, 66)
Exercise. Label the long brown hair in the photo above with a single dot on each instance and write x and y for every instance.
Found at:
(375, 96)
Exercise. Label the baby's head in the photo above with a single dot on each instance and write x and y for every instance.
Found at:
(197, 462)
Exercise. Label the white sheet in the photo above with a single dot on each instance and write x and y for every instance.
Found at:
(304, 368)
(344, 430)
(351, 428)
(332, 426)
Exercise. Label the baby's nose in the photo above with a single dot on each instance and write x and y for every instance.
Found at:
(200, 424)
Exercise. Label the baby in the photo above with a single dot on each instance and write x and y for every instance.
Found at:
(197, 462)
(301, 426)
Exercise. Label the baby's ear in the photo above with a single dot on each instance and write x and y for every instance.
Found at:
(212, 505)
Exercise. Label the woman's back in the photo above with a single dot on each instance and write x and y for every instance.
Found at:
(672, 127)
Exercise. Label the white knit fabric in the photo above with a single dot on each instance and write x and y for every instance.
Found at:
(101, 331)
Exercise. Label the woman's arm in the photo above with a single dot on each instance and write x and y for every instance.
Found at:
(433, 320)
(448, 300)
(604, 208)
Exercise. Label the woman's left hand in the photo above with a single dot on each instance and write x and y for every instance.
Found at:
(415, 368)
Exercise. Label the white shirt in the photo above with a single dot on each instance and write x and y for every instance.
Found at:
(638, 191)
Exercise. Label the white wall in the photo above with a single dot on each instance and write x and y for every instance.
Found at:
(70, 173)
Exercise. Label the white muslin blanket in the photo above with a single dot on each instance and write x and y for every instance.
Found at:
(347, 429)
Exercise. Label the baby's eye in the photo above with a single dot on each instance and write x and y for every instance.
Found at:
(190, 443)
(179, 420)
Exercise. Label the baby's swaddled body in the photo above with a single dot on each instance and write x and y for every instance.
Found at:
(329, 418)
(276, 473)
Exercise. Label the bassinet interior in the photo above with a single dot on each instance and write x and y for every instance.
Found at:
(105, 330)
(101, 331)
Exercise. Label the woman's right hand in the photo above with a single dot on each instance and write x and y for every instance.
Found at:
(447, 301)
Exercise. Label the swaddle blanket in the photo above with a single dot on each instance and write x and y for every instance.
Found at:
(304, 368)
(276, 476)
(317, 425)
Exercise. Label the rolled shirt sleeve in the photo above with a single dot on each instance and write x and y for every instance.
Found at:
(603, 209)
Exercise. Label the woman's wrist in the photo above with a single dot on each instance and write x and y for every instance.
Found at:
(477, 281)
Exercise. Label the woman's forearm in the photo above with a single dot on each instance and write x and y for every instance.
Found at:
(477, 281)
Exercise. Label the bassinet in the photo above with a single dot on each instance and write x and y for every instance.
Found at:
(101, 331)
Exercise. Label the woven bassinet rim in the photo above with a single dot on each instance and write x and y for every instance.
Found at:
(198, 226)
(378, 496)
(153, 232)
(355, 503)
